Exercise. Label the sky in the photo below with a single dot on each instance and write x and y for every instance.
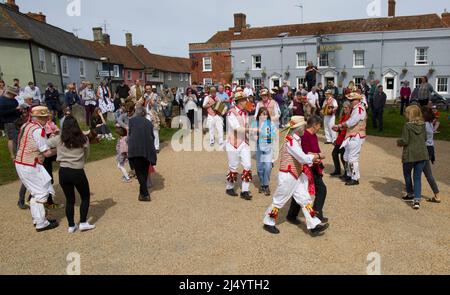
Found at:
(168, 26)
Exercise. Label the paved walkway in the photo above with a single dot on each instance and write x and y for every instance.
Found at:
(191, 227)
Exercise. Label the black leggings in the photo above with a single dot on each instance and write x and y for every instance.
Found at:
(338, 154)
(70, 179)
(191, 116)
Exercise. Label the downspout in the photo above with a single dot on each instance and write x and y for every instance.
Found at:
(32, 62)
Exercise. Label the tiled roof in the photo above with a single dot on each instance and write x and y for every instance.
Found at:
(117, 54)
(416, 22)
(18, 26)
(162, 62)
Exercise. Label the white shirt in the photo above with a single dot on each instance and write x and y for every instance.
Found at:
(190, 102)
(36, 93)
(358, 114)
(297, 152)
(41, 142)
(334, 104)
(248, 91)
(313, 99)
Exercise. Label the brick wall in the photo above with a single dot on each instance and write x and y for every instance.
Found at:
(221, 67)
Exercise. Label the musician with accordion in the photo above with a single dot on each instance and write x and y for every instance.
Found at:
(329, 109)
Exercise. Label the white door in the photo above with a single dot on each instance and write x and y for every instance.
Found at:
(390, 86)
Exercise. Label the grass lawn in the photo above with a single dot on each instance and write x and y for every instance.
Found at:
(393, 125)
(98, 152)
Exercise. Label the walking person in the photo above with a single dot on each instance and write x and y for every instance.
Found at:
(190, 106)
(266, 131)
(405, 97)
(379, 102)
(141, 150)
(72, 148)
(338, 152)
(214, 121)
(425, 91)
(415, 153)
(429, 118)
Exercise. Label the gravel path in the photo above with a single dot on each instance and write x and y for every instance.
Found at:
(191, 227)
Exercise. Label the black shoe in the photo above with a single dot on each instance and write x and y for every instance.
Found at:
(345, 178)
(144, 199)
(22, 206)
(53, 224)
(335, 174)
(294, 221)
(352, 183)
(416, 205)
(408, 198)
(261, 190)
(246, 196)
(324, 219)
(319, 229)
(271, 229)
(232, 193)
(267, 192)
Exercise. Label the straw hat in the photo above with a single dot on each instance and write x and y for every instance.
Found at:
(12, 90)
(296, 122)
(264, 92)
(328, 92)
(240, 96)
(40, 112)
(354, 96)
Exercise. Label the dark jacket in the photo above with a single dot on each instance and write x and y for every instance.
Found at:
(413, 141)
(52, 96)
(8, 110)
(141, 141)
(72, 98)
(379, 100)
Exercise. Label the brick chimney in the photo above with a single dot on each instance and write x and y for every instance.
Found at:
(98, 34)
(12, 4)
(129, 39)
(446, 18)
(38, 16)
(106, 39)
(391, 8)
(240, 22)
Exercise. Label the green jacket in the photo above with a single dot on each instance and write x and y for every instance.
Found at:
(413, 141)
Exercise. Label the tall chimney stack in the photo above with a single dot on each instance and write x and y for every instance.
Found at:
(129, 39)
(391, 8)
(446, 18)
(240, 22)
(98, 34)
(12, 4)
(38, 16)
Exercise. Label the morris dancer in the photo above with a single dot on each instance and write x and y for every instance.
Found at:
(32, 148)
(329, 110)
(238, 148)
(270, 104)
(214, 121)
(292, 182)
(356, 134)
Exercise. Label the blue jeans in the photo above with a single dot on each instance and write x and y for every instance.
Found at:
(264, 165)
(417, 176)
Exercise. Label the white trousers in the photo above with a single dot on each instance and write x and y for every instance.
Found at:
(242, 156)
(215, 123)
(289, 187)
(39, 183)
(156, 135)
(351, 156)
(329, 122)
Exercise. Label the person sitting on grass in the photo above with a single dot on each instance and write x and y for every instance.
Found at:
(98, 124)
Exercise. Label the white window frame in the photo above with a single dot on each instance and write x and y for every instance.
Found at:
(205, 80)
(186, 77)
(141, 76)
(355, 79)
(129, 75)
(116, 71)
(254, 62)
(65, 61)
(421, 62)
(54, 58)
(363, 58)
(181, 77)
(328, 60)
(298, 60)
(415, 82)
(204, 64)
(299, 79)
(169, 76)
(446, 85)
(240, 80)
(82, 67)
(42, 62)
(254, 84)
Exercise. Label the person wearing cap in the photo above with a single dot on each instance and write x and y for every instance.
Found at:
(354, 139)
(270, 104)
(52, 101)
(292, 182)
(35, 93)
(32, 149)
(214, 121)
(329, 109)
(238, 147)
(9, 113)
